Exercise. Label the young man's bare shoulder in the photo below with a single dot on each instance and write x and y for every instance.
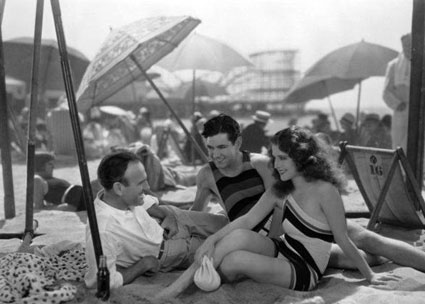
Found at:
(257, 158)
(205, 175)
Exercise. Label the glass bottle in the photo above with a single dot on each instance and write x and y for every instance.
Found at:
(102, 279)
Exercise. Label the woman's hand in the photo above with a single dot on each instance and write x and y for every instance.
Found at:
(207, 248)
(379, 279)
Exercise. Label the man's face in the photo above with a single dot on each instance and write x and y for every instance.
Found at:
(48, 169)
(371, 125)
(406, 43)
(221, 150)
(135, 183)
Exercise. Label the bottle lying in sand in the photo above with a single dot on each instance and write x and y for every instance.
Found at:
(102, 279)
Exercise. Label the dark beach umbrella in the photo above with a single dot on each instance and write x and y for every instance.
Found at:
(18, 62)
(341, 70)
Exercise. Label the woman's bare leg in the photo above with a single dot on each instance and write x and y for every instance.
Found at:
(258, 267)
(378, 249)
(237, 240)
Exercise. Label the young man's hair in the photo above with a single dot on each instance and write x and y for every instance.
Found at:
(40, 160)
(222, 124)
(113, 166)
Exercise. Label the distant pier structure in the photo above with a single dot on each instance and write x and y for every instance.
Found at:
(264, 86)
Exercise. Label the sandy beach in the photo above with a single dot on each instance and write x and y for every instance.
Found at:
(337, 286)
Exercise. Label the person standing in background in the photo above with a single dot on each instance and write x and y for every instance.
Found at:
(396, 92)
(254, 138)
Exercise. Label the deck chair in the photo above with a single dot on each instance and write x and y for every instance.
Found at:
(387, 184)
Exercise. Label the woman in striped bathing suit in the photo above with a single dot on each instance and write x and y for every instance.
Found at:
(313, 218)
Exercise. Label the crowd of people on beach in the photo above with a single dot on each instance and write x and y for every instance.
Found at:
(282, 219)
(298, 176)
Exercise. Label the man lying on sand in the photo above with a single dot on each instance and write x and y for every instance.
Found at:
(53, 190)
(138, 236)
(239, 179)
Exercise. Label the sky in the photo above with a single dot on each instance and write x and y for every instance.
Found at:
(313, 27)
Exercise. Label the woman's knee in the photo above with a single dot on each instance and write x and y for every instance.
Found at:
(230, 267)
(236, 239)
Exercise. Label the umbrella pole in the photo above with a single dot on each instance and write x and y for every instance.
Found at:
(6, 160)
(73, 112)
(359, 94)
(192, 149)
(189, 136)
(333, 114)
(29, 207)
(193, 91)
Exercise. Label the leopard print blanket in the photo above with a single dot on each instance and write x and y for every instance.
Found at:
(29, 278)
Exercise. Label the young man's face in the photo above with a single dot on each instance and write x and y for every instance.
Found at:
(48, 169)
(221, 150)
(135, 183)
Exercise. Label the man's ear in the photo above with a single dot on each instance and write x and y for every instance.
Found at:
(238, 142)
(118, 188)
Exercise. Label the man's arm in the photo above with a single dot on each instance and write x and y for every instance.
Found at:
(167, 218)
(204, 189)
(390, 94)
(146, 266)
(40, 189)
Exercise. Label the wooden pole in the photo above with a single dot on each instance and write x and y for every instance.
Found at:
(29, 207)
(416, 120)
(333, 113)
(6, 159)
(2, 5)
(332, 108)
(192, 148)
(153, 85)
(73, 112)
(359, 95)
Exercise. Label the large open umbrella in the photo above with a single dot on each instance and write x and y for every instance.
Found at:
(18, 62)
(199, 52)
(340, 71)
(143, 43)
(126, 55)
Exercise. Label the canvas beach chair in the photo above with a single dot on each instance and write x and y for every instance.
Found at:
(387, 184)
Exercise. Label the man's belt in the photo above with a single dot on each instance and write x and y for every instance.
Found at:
(161, 249)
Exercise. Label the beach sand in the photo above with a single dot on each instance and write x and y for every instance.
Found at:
(337, 286)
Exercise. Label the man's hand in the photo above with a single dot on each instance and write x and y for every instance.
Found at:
(147, 266)
(170, 226)
(150, 264)
(207, 248)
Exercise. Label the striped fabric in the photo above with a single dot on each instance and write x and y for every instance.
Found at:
(306, 244)
(240, 193)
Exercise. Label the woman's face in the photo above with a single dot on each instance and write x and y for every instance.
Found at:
(284, 165)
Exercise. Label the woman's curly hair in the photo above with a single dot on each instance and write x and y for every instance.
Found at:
(312, 158)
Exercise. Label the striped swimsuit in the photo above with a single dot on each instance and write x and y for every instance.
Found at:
(306, 244)
(240, 193)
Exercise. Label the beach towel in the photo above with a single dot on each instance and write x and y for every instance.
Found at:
(34, 278)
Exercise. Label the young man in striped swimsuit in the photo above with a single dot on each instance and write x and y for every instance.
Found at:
(225, 178)
(222, 134)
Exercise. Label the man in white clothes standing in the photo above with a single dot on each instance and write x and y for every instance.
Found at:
(396, 92)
